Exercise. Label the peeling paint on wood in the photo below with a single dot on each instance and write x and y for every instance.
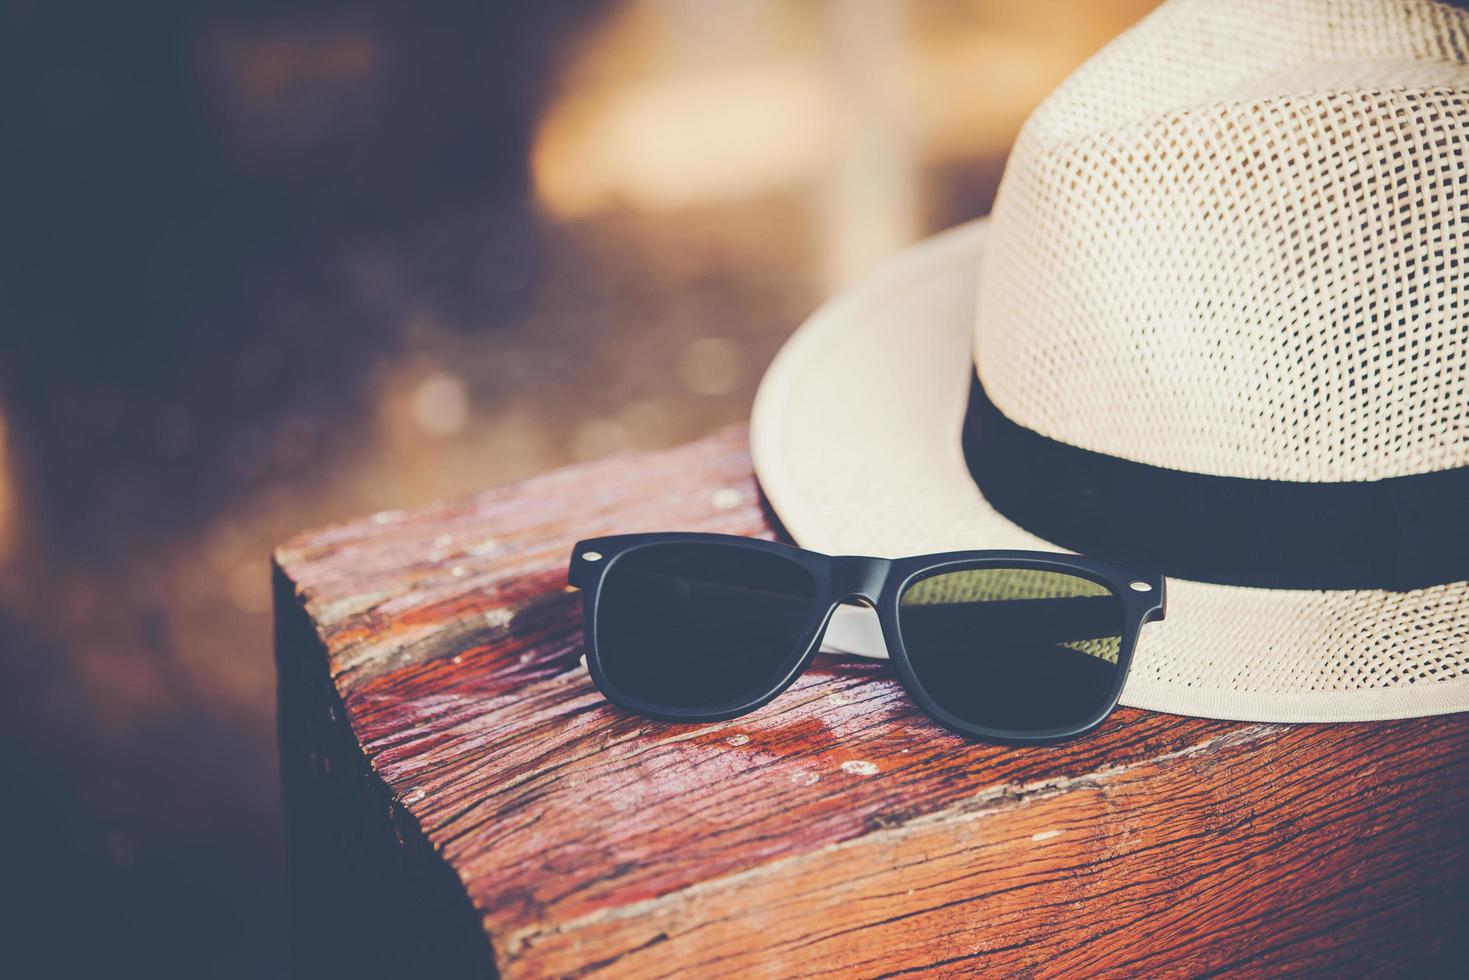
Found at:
(836, 830)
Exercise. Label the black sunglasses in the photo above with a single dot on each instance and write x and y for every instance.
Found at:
(1007, 646)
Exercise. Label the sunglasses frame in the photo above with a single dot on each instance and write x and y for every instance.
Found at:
(879, 583)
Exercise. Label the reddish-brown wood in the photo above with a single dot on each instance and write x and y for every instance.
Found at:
(459, 793)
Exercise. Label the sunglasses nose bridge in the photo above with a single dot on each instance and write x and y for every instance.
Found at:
(856, 577)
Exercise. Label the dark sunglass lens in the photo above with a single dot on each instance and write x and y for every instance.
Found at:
(701, 626)
(1016, 649)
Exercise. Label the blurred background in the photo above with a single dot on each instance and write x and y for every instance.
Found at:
(266, 265)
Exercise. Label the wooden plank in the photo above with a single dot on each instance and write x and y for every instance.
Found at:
(836, 830)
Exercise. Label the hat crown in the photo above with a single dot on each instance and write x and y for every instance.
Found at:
(1233, 242)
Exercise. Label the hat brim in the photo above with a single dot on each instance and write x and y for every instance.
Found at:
(855, 438)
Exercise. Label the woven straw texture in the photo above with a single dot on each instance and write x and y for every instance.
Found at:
(1231, 243)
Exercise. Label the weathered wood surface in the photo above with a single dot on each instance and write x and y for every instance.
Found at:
(459, 792)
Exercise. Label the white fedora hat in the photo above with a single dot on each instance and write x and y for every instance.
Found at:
(1217, 324)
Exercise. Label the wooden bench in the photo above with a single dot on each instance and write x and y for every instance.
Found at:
(461, 801)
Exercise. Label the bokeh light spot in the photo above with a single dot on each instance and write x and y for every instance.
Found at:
(440, 405)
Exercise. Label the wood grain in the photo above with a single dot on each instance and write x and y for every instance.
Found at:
(435, 657)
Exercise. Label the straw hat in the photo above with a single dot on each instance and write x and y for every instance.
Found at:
(1219, 326)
